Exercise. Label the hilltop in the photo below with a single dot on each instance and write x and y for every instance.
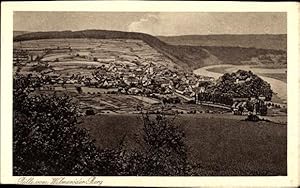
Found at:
(186, 56)
(16, 33)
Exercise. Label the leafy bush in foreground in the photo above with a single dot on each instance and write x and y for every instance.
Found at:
(46, 140)
(163, 152)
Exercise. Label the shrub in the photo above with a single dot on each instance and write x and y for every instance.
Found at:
(90, 112)
(163, 152)
(79, 89)
(252, 117)
(46, 140)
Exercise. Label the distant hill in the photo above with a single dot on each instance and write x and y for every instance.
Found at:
(235, 55)
(186, 56)
(277, 42)
(16, 33)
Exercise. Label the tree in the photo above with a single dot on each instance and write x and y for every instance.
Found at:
(90, 112)
(251, 85)
(79, 89)
(164, 152)
(46, 140)
(263, 110)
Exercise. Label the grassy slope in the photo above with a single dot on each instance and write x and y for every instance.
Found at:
(222, 146)
(234, 55)
(186, 56)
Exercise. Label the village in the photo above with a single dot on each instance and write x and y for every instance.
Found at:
(103, 82)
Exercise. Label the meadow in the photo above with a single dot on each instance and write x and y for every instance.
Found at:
(281, 77)
(221, 145)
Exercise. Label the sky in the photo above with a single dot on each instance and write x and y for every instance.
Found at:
(155, 23)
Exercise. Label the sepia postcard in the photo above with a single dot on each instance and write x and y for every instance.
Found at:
(149, 93)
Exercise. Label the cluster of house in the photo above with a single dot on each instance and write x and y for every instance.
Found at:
(129, 77)
(252, 105)
(145, 79)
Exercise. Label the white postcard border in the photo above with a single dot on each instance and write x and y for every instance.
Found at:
(7, 9)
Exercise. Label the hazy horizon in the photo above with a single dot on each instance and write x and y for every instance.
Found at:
(154, 23)
(161, 35)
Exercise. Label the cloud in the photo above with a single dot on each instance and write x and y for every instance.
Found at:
(170, 23)
(145, 24)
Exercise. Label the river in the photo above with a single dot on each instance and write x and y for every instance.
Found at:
(277, 86)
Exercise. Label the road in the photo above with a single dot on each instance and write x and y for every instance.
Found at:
(215, 105)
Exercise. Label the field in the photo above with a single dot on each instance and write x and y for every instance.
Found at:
(221, 70)
(93, 51)
(101, 102)
(281, 77)
(222, 145)
(114, 103)
(270, 66)
(83, 56)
